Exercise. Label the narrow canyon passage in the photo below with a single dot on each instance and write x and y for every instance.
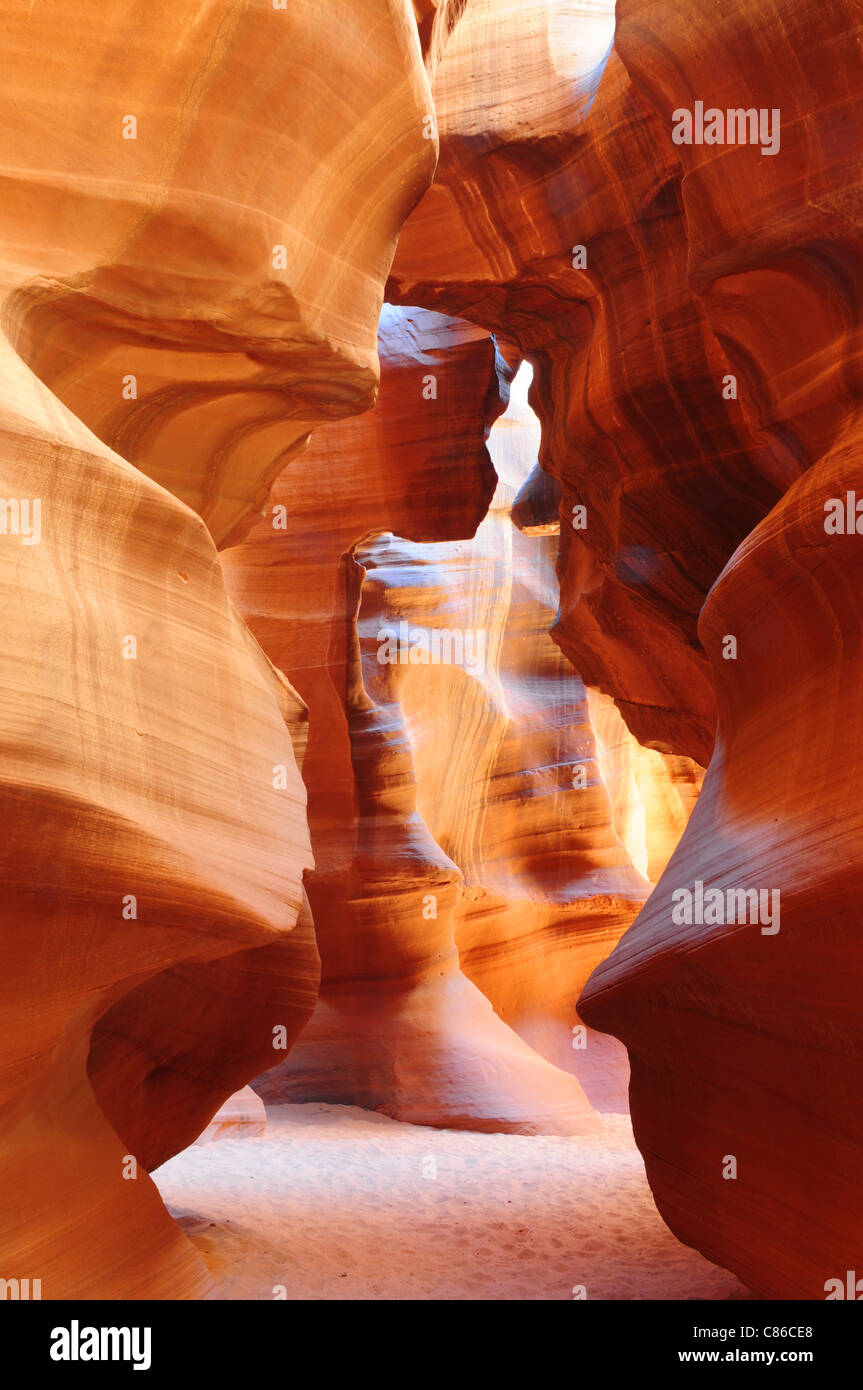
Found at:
(431, 559)
(507, 748)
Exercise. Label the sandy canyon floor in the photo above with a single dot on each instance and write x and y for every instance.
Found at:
(336, 1202)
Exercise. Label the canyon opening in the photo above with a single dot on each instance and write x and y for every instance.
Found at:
(429, 551)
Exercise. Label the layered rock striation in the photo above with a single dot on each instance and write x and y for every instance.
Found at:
(367, 557)
(745, 1036)
(690, 306)
(198, 217)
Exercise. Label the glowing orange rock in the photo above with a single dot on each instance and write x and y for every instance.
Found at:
(746, 1038)
(193, 256)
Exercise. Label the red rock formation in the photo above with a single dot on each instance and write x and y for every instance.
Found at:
(202, 308)
(133, 697)
(706, 271)
(743, 1043)
(193, 266)
(508, 779)
(544, 169)
(243, 1116)
(748, 1043)
(193, 260)
(398, 1026)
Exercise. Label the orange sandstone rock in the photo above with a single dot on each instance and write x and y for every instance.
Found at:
(556, 218)
(398, 1026)
(199, 244)
(745, 1038)
(145, 843)
(198, 217)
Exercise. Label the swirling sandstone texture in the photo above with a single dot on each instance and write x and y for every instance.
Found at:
(556, 219)
(745, 1043)
(538, 811)
(150, 866)
(198, 216)
(692, 314)
(198, 224)
(417, 769)
(202, 287)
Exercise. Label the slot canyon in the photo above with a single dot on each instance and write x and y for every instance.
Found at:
(430, 446)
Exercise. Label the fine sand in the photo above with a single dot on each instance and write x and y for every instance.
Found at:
(336, 1202)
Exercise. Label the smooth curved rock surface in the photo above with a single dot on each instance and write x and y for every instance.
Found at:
(236, 294)
(747, 1042)
(192, 258)
(556, 219)
(399, 1027)
(125, 864)
(466, 808)
(692, 315)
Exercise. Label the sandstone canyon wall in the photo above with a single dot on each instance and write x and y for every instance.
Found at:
(747, 1042)
(691, 312)
(554, 162)
(441, 795)
(250, 817)
(194, 248)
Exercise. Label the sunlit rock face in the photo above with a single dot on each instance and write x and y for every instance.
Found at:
(200, 280)
(556, 218)
(192, 256)
(692, 314)
(746, 1039)
(454, 678)
(461, 822)
(149, 864)
(652, 794)
(513, 781)
(367, 542)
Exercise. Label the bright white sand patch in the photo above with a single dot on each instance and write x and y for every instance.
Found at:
(333, 1203)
